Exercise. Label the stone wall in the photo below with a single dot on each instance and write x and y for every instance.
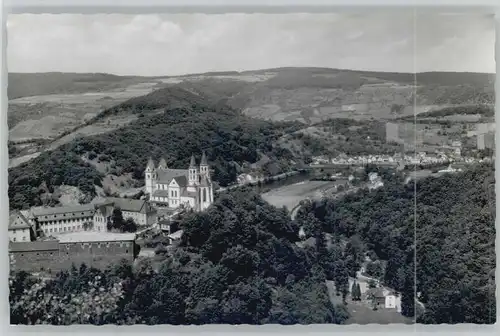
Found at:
(93, 254)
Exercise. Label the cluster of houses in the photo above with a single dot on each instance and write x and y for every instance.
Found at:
(352, 160)
(54, 238)
(421, 158)
(247, 178)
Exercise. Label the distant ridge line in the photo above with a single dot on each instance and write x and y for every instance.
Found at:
(254, 71)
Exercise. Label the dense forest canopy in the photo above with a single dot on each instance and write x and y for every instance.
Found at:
(229, 139)
(346, 136)
(238, 263)
(487, 111)
(450, 229)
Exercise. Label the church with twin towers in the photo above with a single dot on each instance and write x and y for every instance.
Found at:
(191, 188)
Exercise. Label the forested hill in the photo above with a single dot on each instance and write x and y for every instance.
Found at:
(187, 126)
(453, 234)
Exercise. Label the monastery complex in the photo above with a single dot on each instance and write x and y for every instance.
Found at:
(50, 237)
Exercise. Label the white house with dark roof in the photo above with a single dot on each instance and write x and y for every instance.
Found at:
(19, 227)
(172, 188)
(139, 210)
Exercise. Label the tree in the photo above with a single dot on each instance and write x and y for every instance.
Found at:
(355, 291)
(109, 224)
(117, 221)
(358, 291)
(88, 226)
(39, 303)
(321, 250)
(354, 255)
(341, 278)
(375, 269)
(312, 226)
(129, 225)
(408, 296)
(239, 264)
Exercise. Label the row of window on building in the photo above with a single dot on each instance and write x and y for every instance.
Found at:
(98, 245)
(64, 215)
(173, 193)
(63, 229)
(63, 221)
(14, 239)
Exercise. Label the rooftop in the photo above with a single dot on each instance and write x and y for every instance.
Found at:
(61, 210)
(176, 235)
(165, 176)
(160, 193)
(87, 237)
(18, 221)
(126, 204)
(34, 246)
(187, 193)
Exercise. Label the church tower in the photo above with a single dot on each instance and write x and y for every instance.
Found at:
(163, 164)
(150, 177)
(204, 168)
(206, 195)
(193, 173)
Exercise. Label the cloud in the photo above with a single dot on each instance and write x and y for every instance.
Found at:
(355, 35)
(188, 43)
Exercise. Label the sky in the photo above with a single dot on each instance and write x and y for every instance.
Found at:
(157, 45)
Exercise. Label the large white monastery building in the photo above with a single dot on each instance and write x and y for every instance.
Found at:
(172, 188)
(77, 218)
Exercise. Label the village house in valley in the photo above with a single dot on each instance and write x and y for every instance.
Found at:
(172, 188)
(384, 298)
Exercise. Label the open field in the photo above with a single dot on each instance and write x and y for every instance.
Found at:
(362, 314)
(13, 162)
(49, 116)
(291, 195)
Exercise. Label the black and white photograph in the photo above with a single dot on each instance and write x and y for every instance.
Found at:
(251, 168)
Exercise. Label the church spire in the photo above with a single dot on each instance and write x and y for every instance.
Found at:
(204, 166)
(163, 164)
(204, 161)
(192, 164)
(151, 164)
